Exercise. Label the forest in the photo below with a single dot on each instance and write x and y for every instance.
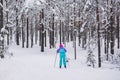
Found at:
(90, 24)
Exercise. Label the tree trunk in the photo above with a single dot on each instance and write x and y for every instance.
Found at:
(60, 32)
(17, 28)
(63, 33)
(105, 42)
(40, 36)
(42, 32)
(111, 30)
(74, 32)
(52, 32)
(32, 34)
(23, 33)
(7, 27)
(40, 29)
(17, 35)
(45, 39)
(27, 43)
(1, 15)
(98, 25)
(36, 30)
(107, 39)
(42, 39)
(118, 32)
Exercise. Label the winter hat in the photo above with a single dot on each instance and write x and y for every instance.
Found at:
(60, 45)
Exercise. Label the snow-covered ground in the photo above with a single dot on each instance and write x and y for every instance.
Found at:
(31, 64)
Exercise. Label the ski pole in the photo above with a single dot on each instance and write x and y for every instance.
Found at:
(55, 60)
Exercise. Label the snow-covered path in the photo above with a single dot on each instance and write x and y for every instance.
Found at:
(30, 64)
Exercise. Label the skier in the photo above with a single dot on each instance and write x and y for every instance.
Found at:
(62, 55)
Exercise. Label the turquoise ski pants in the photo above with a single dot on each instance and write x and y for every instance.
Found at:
(62, 59)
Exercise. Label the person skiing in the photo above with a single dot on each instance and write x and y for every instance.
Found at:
(62, 53)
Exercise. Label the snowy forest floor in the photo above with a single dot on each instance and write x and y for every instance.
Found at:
(31, 64)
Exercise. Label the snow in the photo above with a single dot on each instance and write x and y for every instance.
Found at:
(31, 64)
(30, 2)
(1, 5)
(82, 28)
(4, 30)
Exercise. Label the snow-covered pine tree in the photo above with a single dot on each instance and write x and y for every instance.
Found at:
(91, 45)
(90, 59)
